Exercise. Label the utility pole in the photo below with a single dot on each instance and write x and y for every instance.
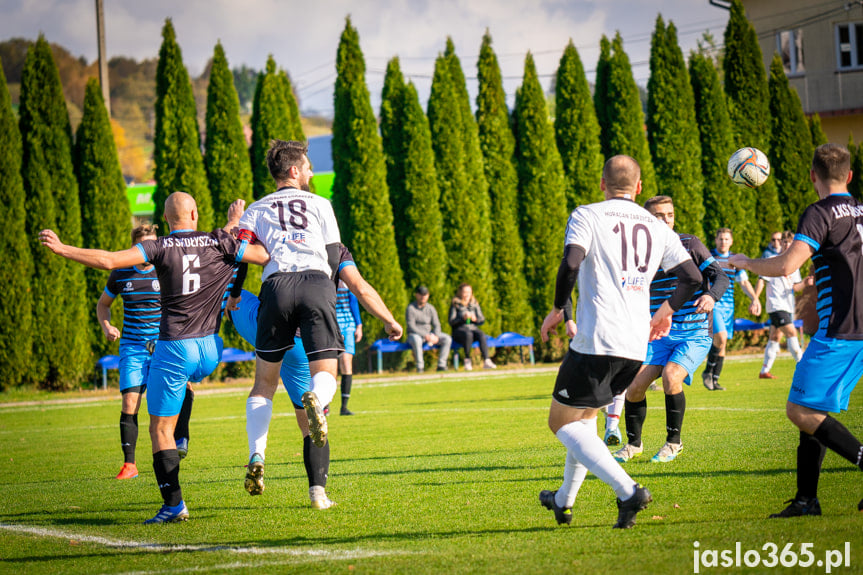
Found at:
(103, 57)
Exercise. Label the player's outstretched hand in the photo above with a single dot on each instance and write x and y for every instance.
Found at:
(394, 330)
(739, 261)
(233, 303)
(235, 212)
(550, 323)
(50, 240)
(659, 327)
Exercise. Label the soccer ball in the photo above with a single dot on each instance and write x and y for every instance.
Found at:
(748, 167)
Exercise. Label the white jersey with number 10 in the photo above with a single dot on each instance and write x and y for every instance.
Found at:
(624, 245)
(295, 227)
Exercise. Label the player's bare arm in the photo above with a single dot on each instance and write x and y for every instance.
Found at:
(371, 300)
(781, 265)
(103, 314)
(99, 259)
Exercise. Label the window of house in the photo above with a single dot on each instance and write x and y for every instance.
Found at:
(849, 45)
(789, 43)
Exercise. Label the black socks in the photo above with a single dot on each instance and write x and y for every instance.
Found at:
(634, 414)
(317, 462)
(675, 407)
(128, 435)
(810, 454)
(166, 465)
(837, 437)
(181, 431)
(347, 380)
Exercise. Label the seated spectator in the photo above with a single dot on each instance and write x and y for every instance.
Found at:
(423, 326)
(465, 317)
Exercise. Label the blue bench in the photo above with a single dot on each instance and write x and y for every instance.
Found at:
(741, 324)
(229, 355)
(506, 339)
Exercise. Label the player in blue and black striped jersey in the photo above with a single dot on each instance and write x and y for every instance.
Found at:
(723, 311)
(195, 270)
(830, 231)
(676, 356)
(138, 286)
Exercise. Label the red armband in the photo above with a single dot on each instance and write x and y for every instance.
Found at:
(247, 235)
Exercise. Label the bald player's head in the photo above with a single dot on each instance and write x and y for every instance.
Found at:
(181, 211)
(621, 176)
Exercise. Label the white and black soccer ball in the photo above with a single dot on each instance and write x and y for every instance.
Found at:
(748, 167)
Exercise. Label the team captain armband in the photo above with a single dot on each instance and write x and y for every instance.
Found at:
(247, 235)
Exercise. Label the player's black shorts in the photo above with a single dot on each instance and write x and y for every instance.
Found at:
(591, 381)
(779, 318)
(304, 300)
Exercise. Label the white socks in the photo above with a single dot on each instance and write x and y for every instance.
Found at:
(580, 438)
(324, 386)
(794, 348)
(770, 355)
(259, 412)
(615, 410)
(574, 473)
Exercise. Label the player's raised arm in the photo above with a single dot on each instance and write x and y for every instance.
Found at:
(782, 265)
(99, 259)
(371, 300)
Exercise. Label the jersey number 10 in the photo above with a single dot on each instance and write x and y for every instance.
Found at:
(638, 231)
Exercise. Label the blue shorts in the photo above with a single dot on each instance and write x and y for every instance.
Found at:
(134, 366)
(349, 335)
(295, 365)
(686, 350)
(173, 364)
(827, 374)
(723, 320)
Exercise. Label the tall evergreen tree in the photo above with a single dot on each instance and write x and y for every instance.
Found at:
(722, 198)
(498, 149)
(359, 188)
(618, 109)
(61, 353)
(177, 142)
(542, 199)
(746, 88)
(105, 215)
(226, 159)
(577, 131)
(463, 187)
(790, 148)
(672, 129)
(426, 254)
(392, 136)
(817, 132)
(16, 337)
(274, 116)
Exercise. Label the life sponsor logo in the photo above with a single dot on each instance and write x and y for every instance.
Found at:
(295, 237)
(634, 283)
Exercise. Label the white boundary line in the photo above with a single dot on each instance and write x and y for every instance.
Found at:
(161, 547)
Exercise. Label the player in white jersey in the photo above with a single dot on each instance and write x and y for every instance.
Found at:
(613, 248)
(780, 307)
(300, 232)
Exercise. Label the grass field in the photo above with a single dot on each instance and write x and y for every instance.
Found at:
(433, 475)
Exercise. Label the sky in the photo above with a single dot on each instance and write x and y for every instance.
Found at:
(303, 35)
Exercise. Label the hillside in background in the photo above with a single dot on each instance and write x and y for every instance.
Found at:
(133, 95)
